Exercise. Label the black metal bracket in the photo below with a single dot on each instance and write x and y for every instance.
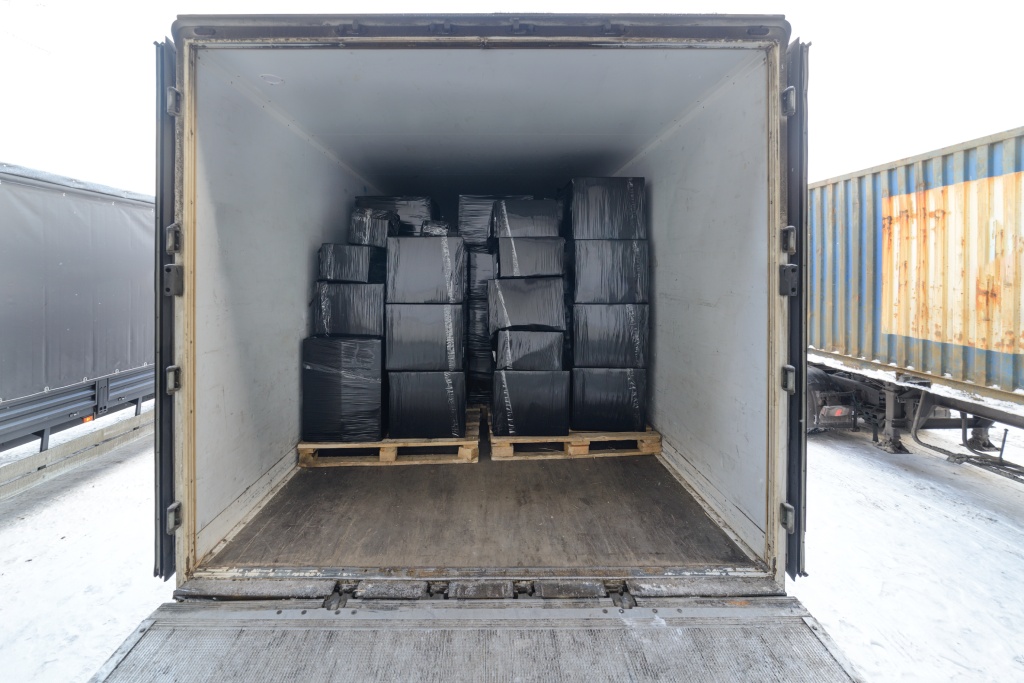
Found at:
(174, 280)
(789, 280)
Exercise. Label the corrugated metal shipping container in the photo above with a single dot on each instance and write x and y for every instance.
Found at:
(918, 265)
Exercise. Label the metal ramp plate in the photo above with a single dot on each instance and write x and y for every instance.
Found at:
(755, 639)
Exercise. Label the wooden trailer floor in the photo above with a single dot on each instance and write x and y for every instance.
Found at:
(590, 513)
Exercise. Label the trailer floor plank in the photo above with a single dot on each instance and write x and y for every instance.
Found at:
(605, 512)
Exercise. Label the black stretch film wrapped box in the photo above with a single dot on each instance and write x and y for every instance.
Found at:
(435, 229)
(475, 218)
(531, 256)
(482, 267)
(478, 337)
(608, 209)
(536, 303)
(610, 336)
(372, 227)
(425, 337)
(426, 270)
(526, 218)
(426, 405)
(530, 403)
(611, 272)
(412, 211)
(609, 400)
(341, 389)
(348, 309)
(528, 350)
(352, 263)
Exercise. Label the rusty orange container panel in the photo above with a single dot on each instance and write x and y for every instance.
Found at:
(918, 265)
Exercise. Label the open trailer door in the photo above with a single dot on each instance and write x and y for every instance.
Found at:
(795, 106)
(523, 639)
(166, 247)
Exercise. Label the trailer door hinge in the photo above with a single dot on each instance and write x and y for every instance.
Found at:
(173, 244)
(173, 375)
(174, 280)
(788, 239)
(789, 279)
(789, 379)
(173, 101)
(173, 521)
(789, 101)
(787, 516)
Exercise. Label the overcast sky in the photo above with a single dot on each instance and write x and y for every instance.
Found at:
(888, 79)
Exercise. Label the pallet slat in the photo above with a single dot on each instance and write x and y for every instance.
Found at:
(575, 445)
(390, 451)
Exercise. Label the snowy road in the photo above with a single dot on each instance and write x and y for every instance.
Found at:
(916, 565)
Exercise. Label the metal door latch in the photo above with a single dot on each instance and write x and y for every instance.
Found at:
(173, 101)
(173, 242)
(789, 101)
(787, 516)
(789, 379)
(788, 239)
(173, 517)
(173, 377)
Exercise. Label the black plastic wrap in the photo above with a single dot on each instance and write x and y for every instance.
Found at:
(612, 272)
(609, 400)
(372, 227)
(528, 350)
(608, 209)
(426, 270)
(536, 303)
(352, 263)
(426, 405)
(412, 211)
(482, 267)
(478, 389)
(425, 337)
(475, 218)
(478, 378)
(530, 403)
(435, 229)
(341, 389)
(531, 256)
(347, 309)
(526, 218)
(478, 337)
(610, 336)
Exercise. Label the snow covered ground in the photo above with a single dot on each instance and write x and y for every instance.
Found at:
(76, 567)
(916, 564)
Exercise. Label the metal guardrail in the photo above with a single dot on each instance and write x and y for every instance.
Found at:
(40, 415)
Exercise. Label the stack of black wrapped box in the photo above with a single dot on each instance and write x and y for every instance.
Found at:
(342, 363)
(481, 265)
(527, 320)
(610, 312)
(425, 334)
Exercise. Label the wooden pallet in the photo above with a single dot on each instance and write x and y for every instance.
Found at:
(397, 451)
(575, 445)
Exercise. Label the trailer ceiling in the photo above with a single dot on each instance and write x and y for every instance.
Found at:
(506, 120)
